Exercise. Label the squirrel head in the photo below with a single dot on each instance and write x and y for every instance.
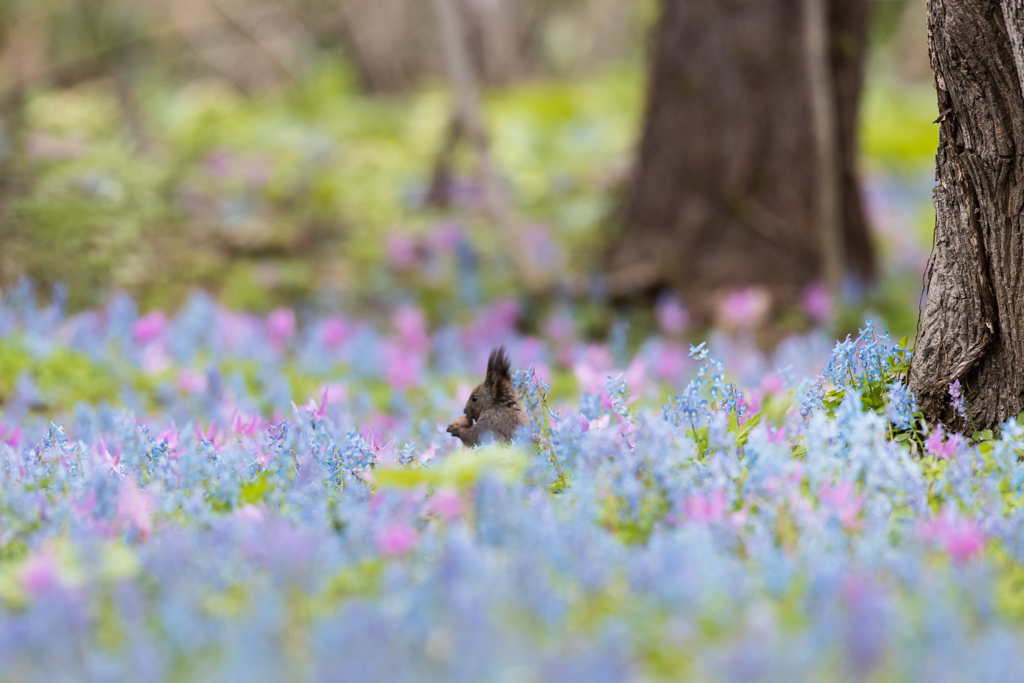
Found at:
(496, 389)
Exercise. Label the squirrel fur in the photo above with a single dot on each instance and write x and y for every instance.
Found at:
(493, 407)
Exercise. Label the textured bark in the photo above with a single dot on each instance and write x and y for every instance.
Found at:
(972, 326)
(724, 189)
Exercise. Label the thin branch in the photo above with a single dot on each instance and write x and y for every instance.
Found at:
(239, 23)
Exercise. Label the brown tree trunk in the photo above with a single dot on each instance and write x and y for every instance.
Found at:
(972, 326)
(724, 192)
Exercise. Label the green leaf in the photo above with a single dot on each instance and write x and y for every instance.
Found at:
(982, 435)
(744, 433)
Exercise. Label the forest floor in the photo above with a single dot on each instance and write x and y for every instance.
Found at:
(223, 452)
(316, 196)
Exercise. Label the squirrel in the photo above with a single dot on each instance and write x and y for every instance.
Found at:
(493, 407)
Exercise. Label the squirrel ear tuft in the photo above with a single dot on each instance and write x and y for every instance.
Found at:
(499, 367)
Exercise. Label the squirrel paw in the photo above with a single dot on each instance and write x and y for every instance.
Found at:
(461, 422)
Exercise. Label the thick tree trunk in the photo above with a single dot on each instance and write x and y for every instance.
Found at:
(724, 192)
(972, 326)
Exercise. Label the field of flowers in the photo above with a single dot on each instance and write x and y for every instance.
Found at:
(216, 496)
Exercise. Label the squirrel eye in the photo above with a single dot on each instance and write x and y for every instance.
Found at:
(474, 397)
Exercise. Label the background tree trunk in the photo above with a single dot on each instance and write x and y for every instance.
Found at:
(972, 326)
(724, 189)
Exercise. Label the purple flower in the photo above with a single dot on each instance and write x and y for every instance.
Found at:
(956, 399)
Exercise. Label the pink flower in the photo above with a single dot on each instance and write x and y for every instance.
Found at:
(334, 332)
(965, 542)
(669, 362)
(942, 450)
(744, 308)
(111, 460)
(777, 436)
(242, 424)
(411, 324)
(191, 382)
(592, 370)
(333, 392)
(403, 367)
(170, 437)
(961, 538)
(373, 434)
(672, 315)
(584, 424)
(840, 500)
(772, 385)
(708, 507)
(39, 573)
(149, 327)
(135, 510)
(636, 376)
(210, 435)
(316, 412)
(9, 436)
(446, 504)
(817, 302)
(752, 401)
(396, 539)
(281, 326)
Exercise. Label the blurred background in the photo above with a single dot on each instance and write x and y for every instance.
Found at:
(332, 156)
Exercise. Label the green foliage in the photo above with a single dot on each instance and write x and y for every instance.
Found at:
(255, 490)
(897, 129)
(460, 470)
(63, 377)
